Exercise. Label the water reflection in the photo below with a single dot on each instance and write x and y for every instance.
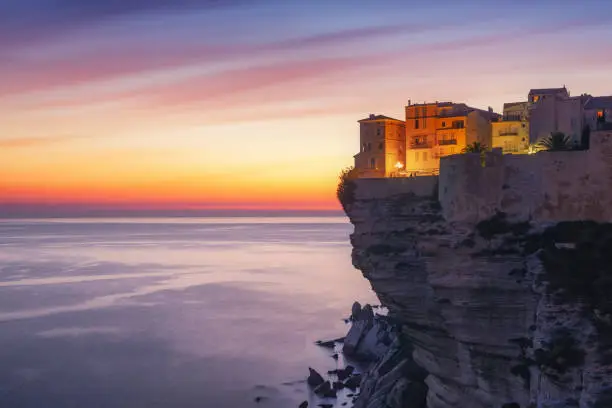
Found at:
(186, 313)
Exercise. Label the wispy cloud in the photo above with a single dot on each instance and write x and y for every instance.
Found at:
(23, 142)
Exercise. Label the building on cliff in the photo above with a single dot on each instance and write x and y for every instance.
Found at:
(435, 130)
(511, 132)
(598, 113)
(383, 143)
(554, 110)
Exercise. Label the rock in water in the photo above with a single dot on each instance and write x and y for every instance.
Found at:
(353, 382)
(355, 310)
(325, 390)
(314, 379)
(343, 374)
(303, 405)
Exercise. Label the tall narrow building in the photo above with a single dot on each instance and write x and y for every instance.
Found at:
(382, 143)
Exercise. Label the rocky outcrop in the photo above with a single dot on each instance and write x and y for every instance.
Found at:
(492, 313)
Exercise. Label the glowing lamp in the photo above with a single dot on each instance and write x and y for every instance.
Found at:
(399, 165)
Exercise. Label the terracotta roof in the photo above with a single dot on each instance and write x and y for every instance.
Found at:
(599, 102)
(379, 117)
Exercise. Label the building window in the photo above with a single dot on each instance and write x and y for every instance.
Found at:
(535, 98)
(369, 147)
(380, 146)
(378, 132)
(443, 124)
(416, 156)
(416, 123)
(452, 150)
(600, 115)
(372, 163)
(424, 156)
(458, 124)
(363, 147)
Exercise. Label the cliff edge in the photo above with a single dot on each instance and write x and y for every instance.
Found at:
(499, 276)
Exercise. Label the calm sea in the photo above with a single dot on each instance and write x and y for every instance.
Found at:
(198, 312)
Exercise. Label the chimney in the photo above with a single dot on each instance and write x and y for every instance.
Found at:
(490, 109)
(409, 102)
(372, 116)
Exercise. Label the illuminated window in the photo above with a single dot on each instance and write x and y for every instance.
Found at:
(372, 163)
(535, 98)
(600, 114)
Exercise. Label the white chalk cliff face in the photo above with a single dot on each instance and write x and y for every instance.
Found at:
(499, 313)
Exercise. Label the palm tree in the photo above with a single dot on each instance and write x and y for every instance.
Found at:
(475, 147)
(557, 141)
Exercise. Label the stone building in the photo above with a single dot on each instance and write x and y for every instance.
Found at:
(511, 132)
(382, 143)
(435, 130)
(554, 110)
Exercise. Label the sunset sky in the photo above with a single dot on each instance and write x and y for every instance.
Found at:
(253, 104)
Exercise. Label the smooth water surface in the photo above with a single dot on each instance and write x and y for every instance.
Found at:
(207, 312)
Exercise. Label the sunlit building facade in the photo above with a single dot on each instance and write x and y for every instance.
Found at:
(382, 142)
(435, 130)
(511, 132)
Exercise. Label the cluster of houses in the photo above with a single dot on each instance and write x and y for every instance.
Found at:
(411, 147)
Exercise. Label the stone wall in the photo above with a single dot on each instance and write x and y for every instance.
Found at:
(370, 189)
(547, 186)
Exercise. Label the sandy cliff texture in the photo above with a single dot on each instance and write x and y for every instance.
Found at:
(503, 299)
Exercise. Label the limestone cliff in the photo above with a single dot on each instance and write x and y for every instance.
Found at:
(500, 307)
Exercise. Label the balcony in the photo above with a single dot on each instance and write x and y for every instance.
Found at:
(508, 132)
(421, 144)
(447, 142)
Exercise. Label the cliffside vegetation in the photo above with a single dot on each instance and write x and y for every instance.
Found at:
(346, 186)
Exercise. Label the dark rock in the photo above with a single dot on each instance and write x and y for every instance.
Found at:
(335, 356)
(332, 372)
(367, 313)
(303, 405)
(259, 399)
(344, 403)
(338, 385)
(326, 405)
(345, 373)
(511, 405)
(314, 379)
(353, 382)
(329, 343)
(325, 390)
(355, 310)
